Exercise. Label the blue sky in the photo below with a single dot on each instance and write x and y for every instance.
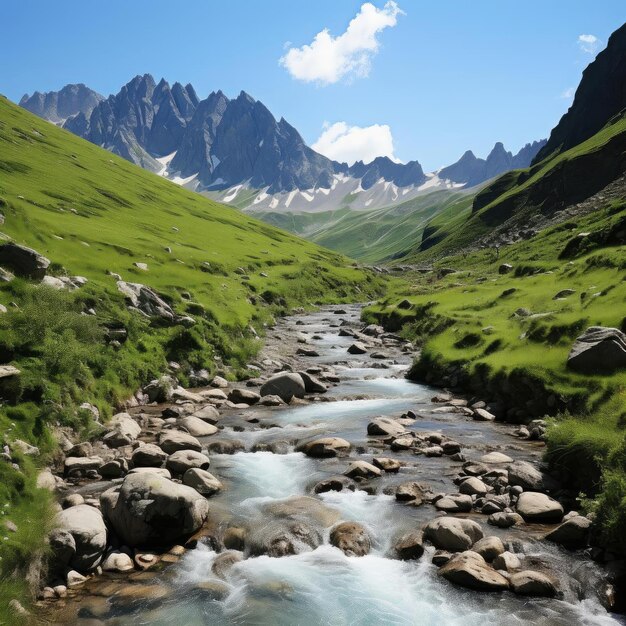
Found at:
(434, 78)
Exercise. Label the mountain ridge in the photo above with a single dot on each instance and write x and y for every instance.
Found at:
(220, 146)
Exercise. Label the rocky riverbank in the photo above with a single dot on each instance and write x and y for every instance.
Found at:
(327, 487)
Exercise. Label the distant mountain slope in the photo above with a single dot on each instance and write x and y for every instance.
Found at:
(600, 96)
(473, 171)
(58, 106)
(236, 151)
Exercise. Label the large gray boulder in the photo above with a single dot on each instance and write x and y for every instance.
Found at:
(525, 475)
(197, 427)
(79, 538)
(470, 570)
(123, 431)
(325, 447)
(572, 533)
(530, 583)
(182, 460)
(598, 350)
(148, 455)
(285, 385)
(24, 261)
(146, 300)
(452, 533)
(175, 440)
(538, 507)
(385, 426)
(149, 510)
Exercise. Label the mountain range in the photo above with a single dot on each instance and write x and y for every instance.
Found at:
(236, 151)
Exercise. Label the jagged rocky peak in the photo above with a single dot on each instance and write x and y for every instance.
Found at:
(58, 106)
(401, 174)
(472, 171)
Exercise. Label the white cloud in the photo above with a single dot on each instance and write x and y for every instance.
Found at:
(348, 144)
(328, 59)
(568, 94)
(589, 43)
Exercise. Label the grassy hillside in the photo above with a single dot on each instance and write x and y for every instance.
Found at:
(92, 213)
(518, 197)
(373, 235)
(506, 337)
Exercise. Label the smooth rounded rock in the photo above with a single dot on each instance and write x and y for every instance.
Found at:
(147, 509)
(351, 538)
(538, 507)
(452, 533)
(202, 481)
(183, 460)
(174, 440)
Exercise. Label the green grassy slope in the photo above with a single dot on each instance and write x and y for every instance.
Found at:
(91, 213)
(520, 359)
(373, 235)
(541, 189)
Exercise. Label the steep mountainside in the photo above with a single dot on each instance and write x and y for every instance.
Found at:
(586, 154)
(600, 96)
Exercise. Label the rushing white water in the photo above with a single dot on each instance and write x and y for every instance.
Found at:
(326, 587)
(265, 475)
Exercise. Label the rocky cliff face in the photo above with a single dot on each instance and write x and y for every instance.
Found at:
(58, 106)
(600, 96)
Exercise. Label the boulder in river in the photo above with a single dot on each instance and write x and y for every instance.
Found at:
(351, 538)
(538, 507)
(123, 431)
(473, 486)
(385, 426)
(452, 533)
(412, 492)
(526, 476)
(196, 426)
(455, 503)
(470, 570)
(410, 546)
(572, 533)
(391, 466)
(285, 385)
(507, 561)
(182, 460)
(202, 481)
(148, 455)
(362, 469)
(598, 350)
(174, 440)
(244, 396)
(325, 447)
(312, 384)
(531, 583)
(79, 538)
(357, 348)
(147, 509)
(489, 547)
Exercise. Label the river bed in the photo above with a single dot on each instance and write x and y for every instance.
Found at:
(322, 585)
